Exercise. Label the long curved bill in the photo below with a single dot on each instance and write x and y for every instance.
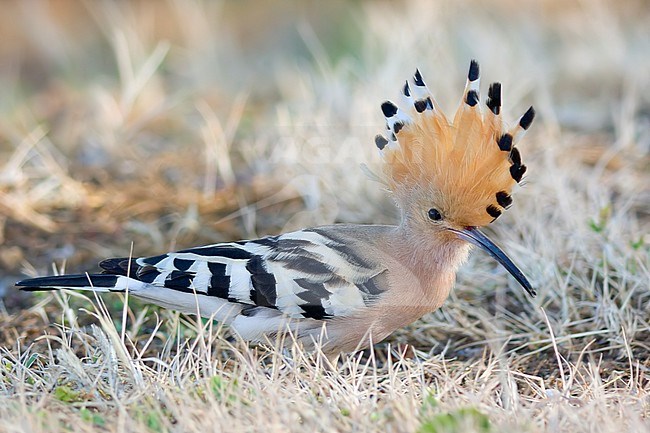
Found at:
(476, 237)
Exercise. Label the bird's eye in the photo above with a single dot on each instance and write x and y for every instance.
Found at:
(435, 215)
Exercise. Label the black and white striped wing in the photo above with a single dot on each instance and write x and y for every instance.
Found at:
(304, 274)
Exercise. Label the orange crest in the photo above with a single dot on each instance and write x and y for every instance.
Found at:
(468, 166)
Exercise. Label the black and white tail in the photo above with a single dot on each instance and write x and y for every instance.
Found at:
(94, 282)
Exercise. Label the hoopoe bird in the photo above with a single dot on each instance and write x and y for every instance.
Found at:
(342, 286)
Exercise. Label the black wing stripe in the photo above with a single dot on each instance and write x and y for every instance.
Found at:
(219, 282)
(147, 274)
(313, 296)
(264, 290)
(316, 312)
(373, 285)
(154, 260)
(183, 264)
(307, 265)
(226, 252)
(283, 245)
(286, 249)
(343, 249)
(313, 292)
(179, 280)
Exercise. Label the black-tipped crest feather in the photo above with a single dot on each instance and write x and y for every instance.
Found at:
(527, 119)
(389, 109)
(494, 98)
(427, 147)
(473, 73)
(417, 78)
(472, 98)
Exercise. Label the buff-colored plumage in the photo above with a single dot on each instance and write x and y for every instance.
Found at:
(463, 164)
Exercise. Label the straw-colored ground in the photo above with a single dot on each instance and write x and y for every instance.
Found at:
(158, 125)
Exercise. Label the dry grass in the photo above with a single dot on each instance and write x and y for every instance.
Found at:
(168, 125)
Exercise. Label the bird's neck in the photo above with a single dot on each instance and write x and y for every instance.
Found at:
(434, 258)
(441, 251)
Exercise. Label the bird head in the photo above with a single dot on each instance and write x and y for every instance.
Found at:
(452, 177)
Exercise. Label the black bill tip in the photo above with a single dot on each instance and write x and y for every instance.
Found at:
(476, 237)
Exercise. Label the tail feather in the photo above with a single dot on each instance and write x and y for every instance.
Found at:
(94, 282)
